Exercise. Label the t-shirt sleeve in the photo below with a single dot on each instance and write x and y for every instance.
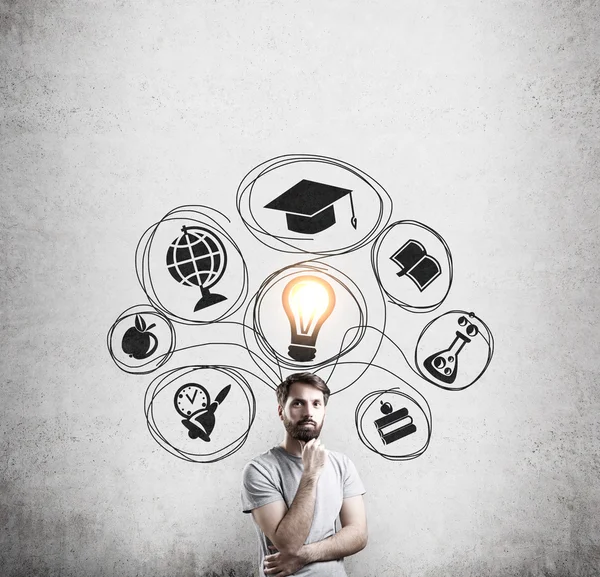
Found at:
(258, 488)
(352, 484)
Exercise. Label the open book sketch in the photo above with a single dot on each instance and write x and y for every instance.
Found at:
(416, 264)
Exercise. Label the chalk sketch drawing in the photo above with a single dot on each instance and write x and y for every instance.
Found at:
(198, 258)
(308, 301)
(192, 401)
(309, 206)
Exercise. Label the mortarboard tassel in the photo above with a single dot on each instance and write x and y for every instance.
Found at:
(353, 219)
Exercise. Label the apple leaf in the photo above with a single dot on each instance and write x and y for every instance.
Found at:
(140, 324)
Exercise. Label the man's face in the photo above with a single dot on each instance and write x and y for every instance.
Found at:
(304, 412)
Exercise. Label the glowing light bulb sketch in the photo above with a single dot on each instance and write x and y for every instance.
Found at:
(443, 365)
(138, 342)
(192, 401)
(308, 301)
(198, 258)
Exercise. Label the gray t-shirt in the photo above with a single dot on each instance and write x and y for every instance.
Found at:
(275, 476)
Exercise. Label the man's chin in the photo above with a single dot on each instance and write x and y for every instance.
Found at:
(306, 433)
(306, 436)
(302, 432)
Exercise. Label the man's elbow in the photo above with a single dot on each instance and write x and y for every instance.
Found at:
(361, 536)
(361, 539)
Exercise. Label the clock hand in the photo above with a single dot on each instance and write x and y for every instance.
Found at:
(192, 399)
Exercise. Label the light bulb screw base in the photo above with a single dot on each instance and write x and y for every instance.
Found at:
(301, 353)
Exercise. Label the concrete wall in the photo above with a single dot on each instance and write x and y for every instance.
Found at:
(480, 119)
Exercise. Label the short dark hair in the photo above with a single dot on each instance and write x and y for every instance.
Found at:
(283, 389)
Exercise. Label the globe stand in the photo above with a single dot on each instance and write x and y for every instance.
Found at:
(208, 299)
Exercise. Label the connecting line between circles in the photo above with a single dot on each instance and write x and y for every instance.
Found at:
(370, 363)
(226, 343)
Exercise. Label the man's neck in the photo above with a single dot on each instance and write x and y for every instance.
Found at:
(292, 446)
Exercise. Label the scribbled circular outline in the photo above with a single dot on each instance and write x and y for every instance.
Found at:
(246, 188)
(160, 360)
(373, 396)
(142, 261)
(489, 339)
(165, 379)
(375, 265)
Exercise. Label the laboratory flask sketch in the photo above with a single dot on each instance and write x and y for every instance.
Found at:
(394, 425)
(414, 262)
(309, 206)
(443, 365)
(308, 301)
(198, 258)
(192, 401)
(138, 342)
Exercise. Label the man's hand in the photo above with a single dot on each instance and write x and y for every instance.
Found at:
(314, 456)
(282, 564)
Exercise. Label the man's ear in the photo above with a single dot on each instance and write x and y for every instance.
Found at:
(280, 411)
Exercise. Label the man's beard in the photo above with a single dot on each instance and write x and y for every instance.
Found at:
(301, 433)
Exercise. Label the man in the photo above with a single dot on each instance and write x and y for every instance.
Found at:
(297, 490)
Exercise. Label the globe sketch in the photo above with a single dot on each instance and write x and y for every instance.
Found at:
(198, 258)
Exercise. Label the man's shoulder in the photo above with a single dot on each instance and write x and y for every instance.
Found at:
(347, 473)
(340, 461)
(338, 456)
(265, 460)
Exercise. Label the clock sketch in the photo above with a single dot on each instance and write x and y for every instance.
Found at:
(192, 401)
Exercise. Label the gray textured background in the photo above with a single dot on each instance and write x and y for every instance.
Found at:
(480, 119)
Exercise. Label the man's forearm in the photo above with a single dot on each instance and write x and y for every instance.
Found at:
(293, 529)
(347, 541)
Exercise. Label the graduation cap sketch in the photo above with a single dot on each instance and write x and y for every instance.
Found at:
(416, 264)
(309, 206)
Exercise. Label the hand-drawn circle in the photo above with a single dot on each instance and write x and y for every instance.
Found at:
(161, 339)
(252, 182)
(164, 421)
(402, 291)
(270, 292)
(211, 307)
(454, 350)
(392, 452)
